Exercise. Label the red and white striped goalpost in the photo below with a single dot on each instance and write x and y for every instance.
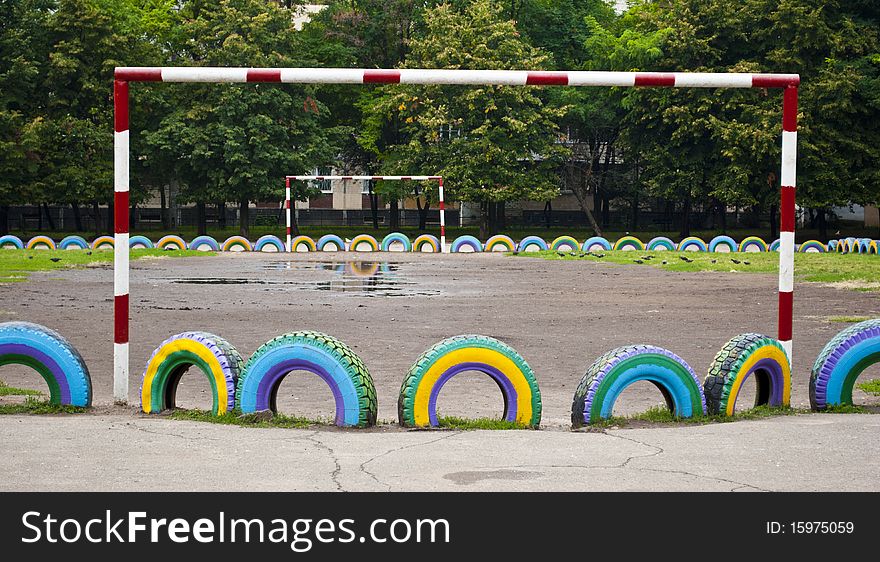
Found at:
(368, 178)
(787, 82)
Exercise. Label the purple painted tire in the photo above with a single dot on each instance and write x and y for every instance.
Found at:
(841, 362)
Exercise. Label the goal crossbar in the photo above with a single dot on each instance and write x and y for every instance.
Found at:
(124, 75)
(439, 179)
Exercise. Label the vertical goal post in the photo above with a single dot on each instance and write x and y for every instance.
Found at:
(438, 179)
(124, 75)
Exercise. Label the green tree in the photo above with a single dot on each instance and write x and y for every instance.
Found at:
(494, 143)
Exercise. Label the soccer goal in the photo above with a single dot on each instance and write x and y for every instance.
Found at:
(438, 179)
(124, 75)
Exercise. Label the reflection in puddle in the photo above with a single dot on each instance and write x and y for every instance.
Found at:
(367, 278)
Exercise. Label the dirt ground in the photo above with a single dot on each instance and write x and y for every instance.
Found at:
(559, 315)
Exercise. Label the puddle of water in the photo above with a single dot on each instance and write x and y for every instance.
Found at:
(365, 278)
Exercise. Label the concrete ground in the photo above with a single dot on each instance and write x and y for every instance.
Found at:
(390, 308)
(123, 452)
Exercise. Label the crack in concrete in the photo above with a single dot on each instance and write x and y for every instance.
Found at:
(130, 425)
(363, 466)
(334, 476)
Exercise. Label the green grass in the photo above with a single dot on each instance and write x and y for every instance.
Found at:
(846, 409)
(235, 417)
(847, 319)
(452, 422)
(871, 387)
(32, 405)
(16, 265)
(662, 415)
(6, 390)
(857, 271)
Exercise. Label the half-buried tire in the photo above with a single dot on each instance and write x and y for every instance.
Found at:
(417, 403)
(743, 356)
(213, 355)
(841, 362)
(52, 356)
(611, 373)
(333, 361)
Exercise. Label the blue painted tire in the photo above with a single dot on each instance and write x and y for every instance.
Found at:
(466, 241)
(661, 243)
(263, 244)
(532, 241)
(725, 241)
(204, 244)
(774, 246)
(589, 243)
(327, 241)
(333, 361)
(499, 243)
(832, 245)
(140, 242)
(72, 243)
(813, 246)
(841, 362)
(10, 240)
(611, 373)
(396, 237)
(52, 356)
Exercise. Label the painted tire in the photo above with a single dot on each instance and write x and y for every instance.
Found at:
(330, 243)
(104, 243)
(417, 404)
(204, 244)
(396, 237)
(537, 242)
(325, 356)
(213, 355)
(872, 248)
(865, 246)
(565, 244)
(71, 243)
(171, 242)
(841, 246)
(357, 243)
(466, 243)
(693, 244)
(611, 373)
(500, 243)
(832, 245)
(629, 243)
(269, 243)
(813, 246)
(52, 356)
(140, 242)
(753, 244)
(774, 246)
(237, 244)
(742, 356)
(426, 243)
(302, 243)
(10, 240)
(591, 243)
(849, 246)
(43, 242)
(661, 243)
(723, 241)
(841, 362)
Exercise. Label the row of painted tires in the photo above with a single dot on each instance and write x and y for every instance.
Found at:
(853, 246)
(428, 243)
(252, 386)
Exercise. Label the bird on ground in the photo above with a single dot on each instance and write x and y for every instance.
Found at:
(56, 260)
(639, 262)
(737, 262)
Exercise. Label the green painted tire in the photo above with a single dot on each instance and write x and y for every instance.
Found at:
(417, 403)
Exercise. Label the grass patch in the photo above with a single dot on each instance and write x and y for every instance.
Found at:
(847, 319)
(32, 405)
(235, 417)
(452, 422)
(6, 390)
(854, 271)
(846, 409)
(16, 265)
(661, 415)
(871, 387)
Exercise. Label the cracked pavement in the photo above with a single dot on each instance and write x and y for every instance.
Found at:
(125, 452)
